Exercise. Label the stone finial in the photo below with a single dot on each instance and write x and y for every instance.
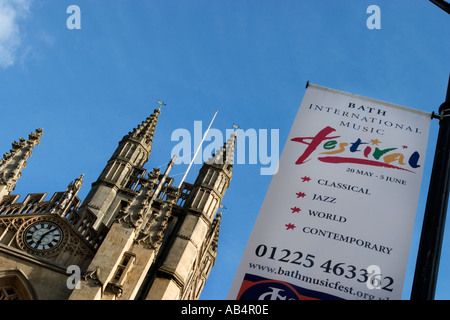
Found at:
(226, 153)
(146, 130)
(16, 159)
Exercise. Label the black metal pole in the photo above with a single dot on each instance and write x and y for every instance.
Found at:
(442, 4)
(427, 266)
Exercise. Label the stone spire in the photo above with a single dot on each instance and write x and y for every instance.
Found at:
(146, 130)
(225, 155)
(123, 171)
(15, 160)
(70, 193)
(195, 244)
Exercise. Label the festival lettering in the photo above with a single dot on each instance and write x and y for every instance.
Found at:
(372, 155)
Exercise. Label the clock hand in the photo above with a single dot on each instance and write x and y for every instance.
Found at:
(42, 237)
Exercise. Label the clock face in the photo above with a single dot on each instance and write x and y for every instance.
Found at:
(43, 236)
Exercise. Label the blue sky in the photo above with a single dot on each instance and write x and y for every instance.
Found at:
(248, 59)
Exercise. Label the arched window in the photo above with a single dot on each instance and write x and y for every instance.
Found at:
(15, 286)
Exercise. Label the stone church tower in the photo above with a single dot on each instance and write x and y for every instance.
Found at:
(135, 236)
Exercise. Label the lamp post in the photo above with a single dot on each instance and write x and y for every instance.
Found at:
(428, 257)
(442, 4)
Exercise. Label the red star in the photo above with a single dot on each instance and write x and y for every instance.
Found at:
(300, 194)
(295, 209)
(306, 179)
(405, 147)
(290, 226)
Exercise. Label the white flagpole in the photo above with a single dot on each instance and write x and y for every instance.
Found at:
(198, 149)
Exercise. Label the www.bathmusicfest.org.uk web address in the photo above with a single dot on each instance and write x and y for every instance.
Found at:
(318, 282)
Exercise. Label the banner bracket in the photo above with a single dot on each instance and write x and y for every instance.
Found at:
(435, 115)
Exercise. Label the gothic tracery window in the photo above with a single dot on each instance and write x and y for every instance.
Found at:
(9, 293)
(14, 286)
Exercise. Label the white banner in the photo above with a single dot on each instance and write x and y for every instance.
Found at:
(338, 217)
